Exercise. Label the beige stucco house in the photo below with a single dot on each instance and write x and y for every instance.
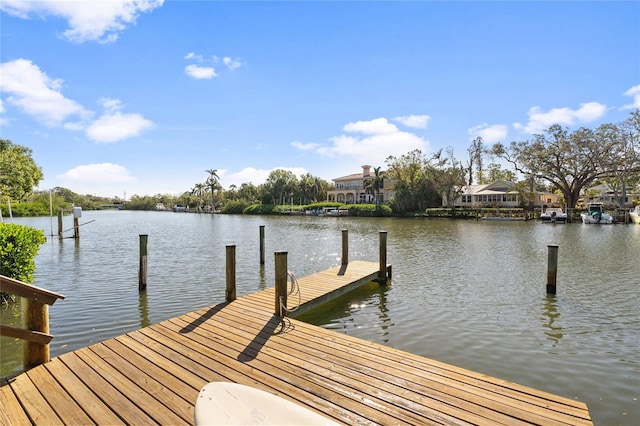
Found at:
(350, 189)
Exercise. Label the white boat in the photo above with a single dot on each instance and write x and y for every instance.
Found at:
(553, 215)
(634, 214)
(225, 403)
(595, 214)
(337, 212)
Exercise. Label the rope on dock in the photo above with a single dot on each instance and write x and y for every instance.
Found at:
(295, 289)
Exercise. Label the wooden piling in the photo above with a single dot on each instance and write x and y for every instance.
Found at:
(552, 268)
(382, 272)
(231, 274)
(37, 317)
(142, 272)
(345, 247)
(281, 282)
(262, 244)
(76, 228)
(60, 223)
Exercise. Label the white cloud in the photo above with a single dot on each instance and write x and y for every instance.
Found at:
(110, 105)
(193, 56)
(231, 63)
(34, 93)
(199, 72)
(381, 139)
(255, 176)
(112, 127)
(634, 92)
(92, 175)
(88, 20)
(207, 72)
(415, 121)
(490, 134)
(304, 146)
(378, 126)
(3, 121)
(539, 120)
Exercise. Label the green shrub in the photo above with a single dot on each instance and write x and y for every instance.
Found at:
(235, 206)
(260, 209)
(370, 210)
(19, 246)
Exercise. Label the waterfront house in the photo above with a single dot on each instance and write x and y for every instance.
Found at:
(350, 189)
(498, 194)
(605, 195)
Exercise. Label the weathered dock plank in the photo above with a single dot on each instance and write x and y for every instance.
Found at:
(153, 375)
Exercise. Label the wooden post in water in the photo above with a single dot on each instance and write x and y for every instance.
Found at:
(382, 272)
(281, 282)
(142, 272)
(262, 244)
(59, 223)
(37, 320)
(552, 268)
(231, 274)
(76, 228)
(345, 247)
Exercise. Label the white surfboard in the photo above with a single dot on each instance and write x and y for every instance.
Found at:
(224, 403)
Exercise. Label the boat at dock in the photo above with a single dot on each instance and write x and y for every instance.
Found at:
(337, 212)
(595, 215)
(554, 215)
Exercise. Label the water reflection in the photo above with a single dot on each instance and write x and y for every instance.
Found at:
(549, 316)
(262, 284)
(143, 308)
(11, 349)
(385, 320)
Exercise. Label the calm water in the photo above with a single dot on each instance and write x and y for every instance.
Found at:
(467, 293)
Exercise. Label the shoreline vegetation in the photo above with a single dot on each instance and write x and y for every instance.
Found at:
(352, 210)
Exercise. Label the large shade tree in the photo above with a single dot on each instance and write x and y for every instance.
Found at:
(280, 185)
(19, 173)
(569, 161)
(449, 177)
(413, 181)
(623, 165)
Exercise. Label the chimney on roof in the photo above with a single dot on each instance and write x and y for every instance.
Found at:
(366, 171)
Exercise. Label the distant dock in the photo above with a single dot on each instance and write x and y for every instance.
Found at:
(153, 375)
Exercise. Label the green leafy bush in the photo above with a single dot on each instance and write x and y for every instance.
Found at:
(19, 246)
(260, 209)
(370, 210)
(235, 206)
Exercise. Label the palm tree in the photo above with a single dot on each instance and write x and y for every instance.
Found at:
(213, 183)
(305, 184)
(198, 191)
(373, 185)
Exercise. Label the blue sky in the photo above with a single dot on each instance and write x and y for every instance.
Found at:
(143, 96)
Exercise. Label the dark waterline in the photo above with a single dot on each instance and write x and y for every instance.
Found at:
(467, 293)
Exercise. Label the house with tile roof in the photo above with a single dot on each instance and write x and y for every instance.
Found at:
(350, 189)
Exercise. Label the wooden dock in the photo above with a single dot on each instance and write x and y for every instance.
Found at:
(153, 375)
